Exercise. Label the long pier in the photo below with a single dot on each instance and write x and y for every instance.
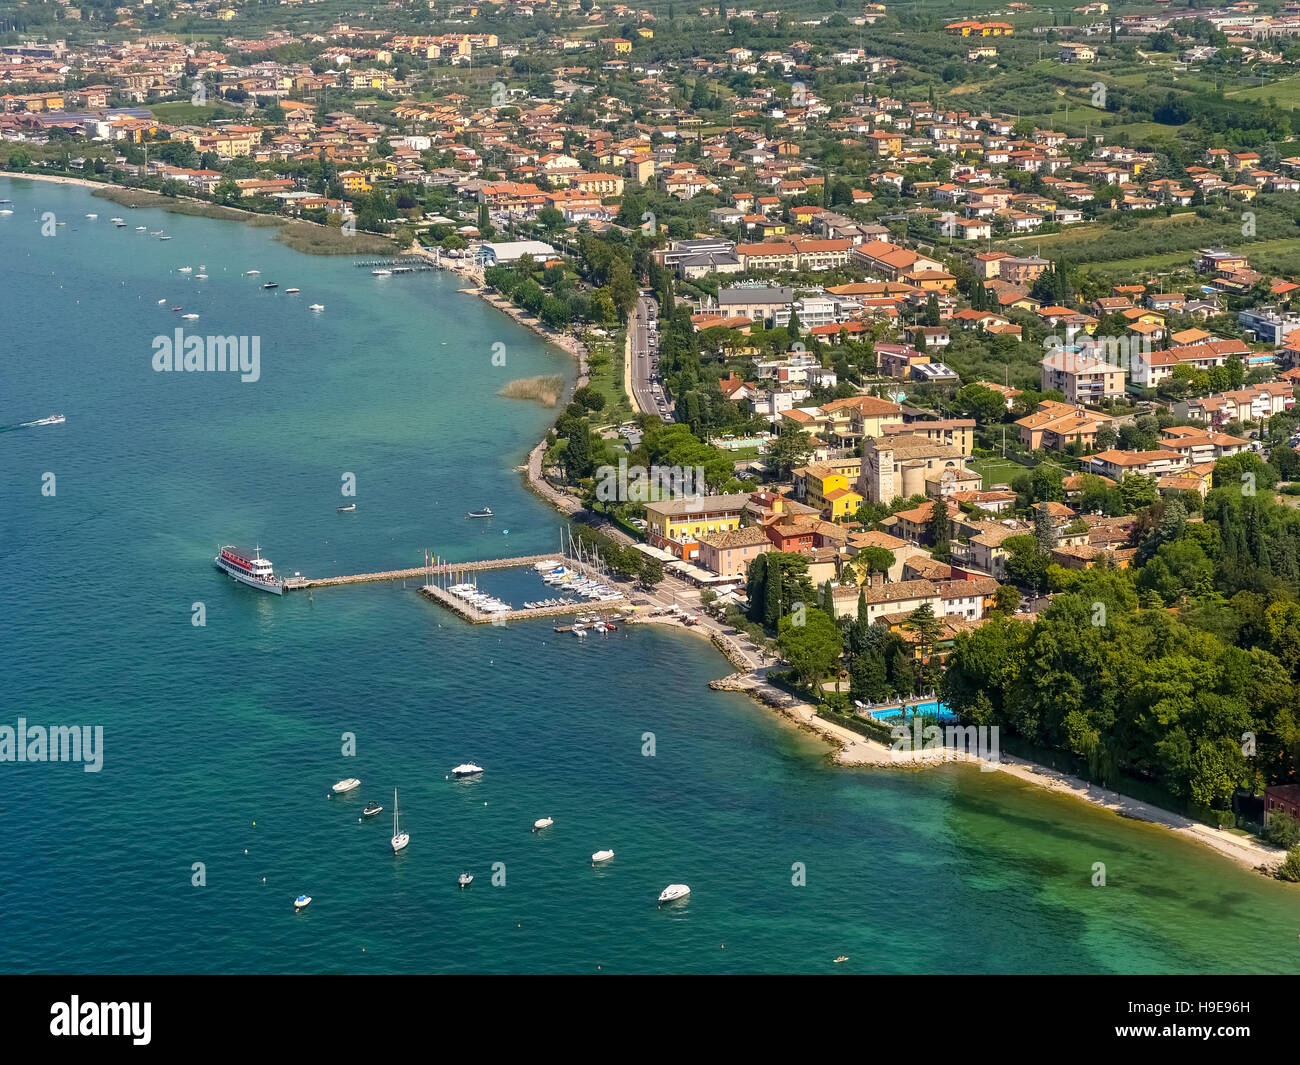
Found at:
(409, 265)
(418, 572)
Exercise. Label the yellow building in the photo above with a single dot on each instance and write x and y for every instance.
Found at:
(677, 524)
(354, 181)
(829, 491)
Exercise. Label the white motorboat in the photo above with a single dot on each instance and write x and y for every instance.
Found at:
(293, 291)
(252, 273)
(400, 838)
(465, 879)
(317, 307)
(300, 902)
(673, 892)
(601, 856)
(350, 784)
(185, 270)
(382, 273)
(92, 216)
(161, 302)
(546, 566)
(467, 769)
(190, 317)
(543, 822)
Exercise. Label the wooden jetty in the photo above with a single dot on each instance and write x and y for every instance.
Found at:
(418, 572)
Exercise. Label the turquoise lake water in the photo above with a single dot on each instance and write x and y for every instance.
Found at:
(208, 730)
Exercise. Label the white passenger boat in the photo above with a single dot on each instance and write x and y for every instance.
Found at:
(249, 567)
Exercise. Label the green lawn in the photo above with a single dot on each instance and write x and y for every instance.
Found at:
(997, 471)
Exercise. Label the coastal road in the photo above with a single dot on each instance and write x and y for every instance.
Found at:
(647, 391)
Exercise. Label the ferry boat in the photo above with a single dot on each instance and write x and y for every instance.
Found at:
(249, 567)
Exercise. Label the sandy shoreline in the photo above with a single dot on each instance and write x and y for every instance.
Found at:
(853, 749)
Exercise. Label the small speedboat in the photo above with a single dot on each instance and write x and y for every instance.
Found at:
(673, 892)
(348, 509)
(382, 273)
(486, 512)
(343, 786)
(467, 769)
(465, 879)
(601, 856)
(161, 302)
(92, 216)
(252, 273)
(164, 238)
(178, 309)
(842, 957)
(301, 901)
(317, 307)
(372, 809)
(190, 317)
(543, 822)
(291, 291)
(138, 229)
(185, 270)
(272, 284)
